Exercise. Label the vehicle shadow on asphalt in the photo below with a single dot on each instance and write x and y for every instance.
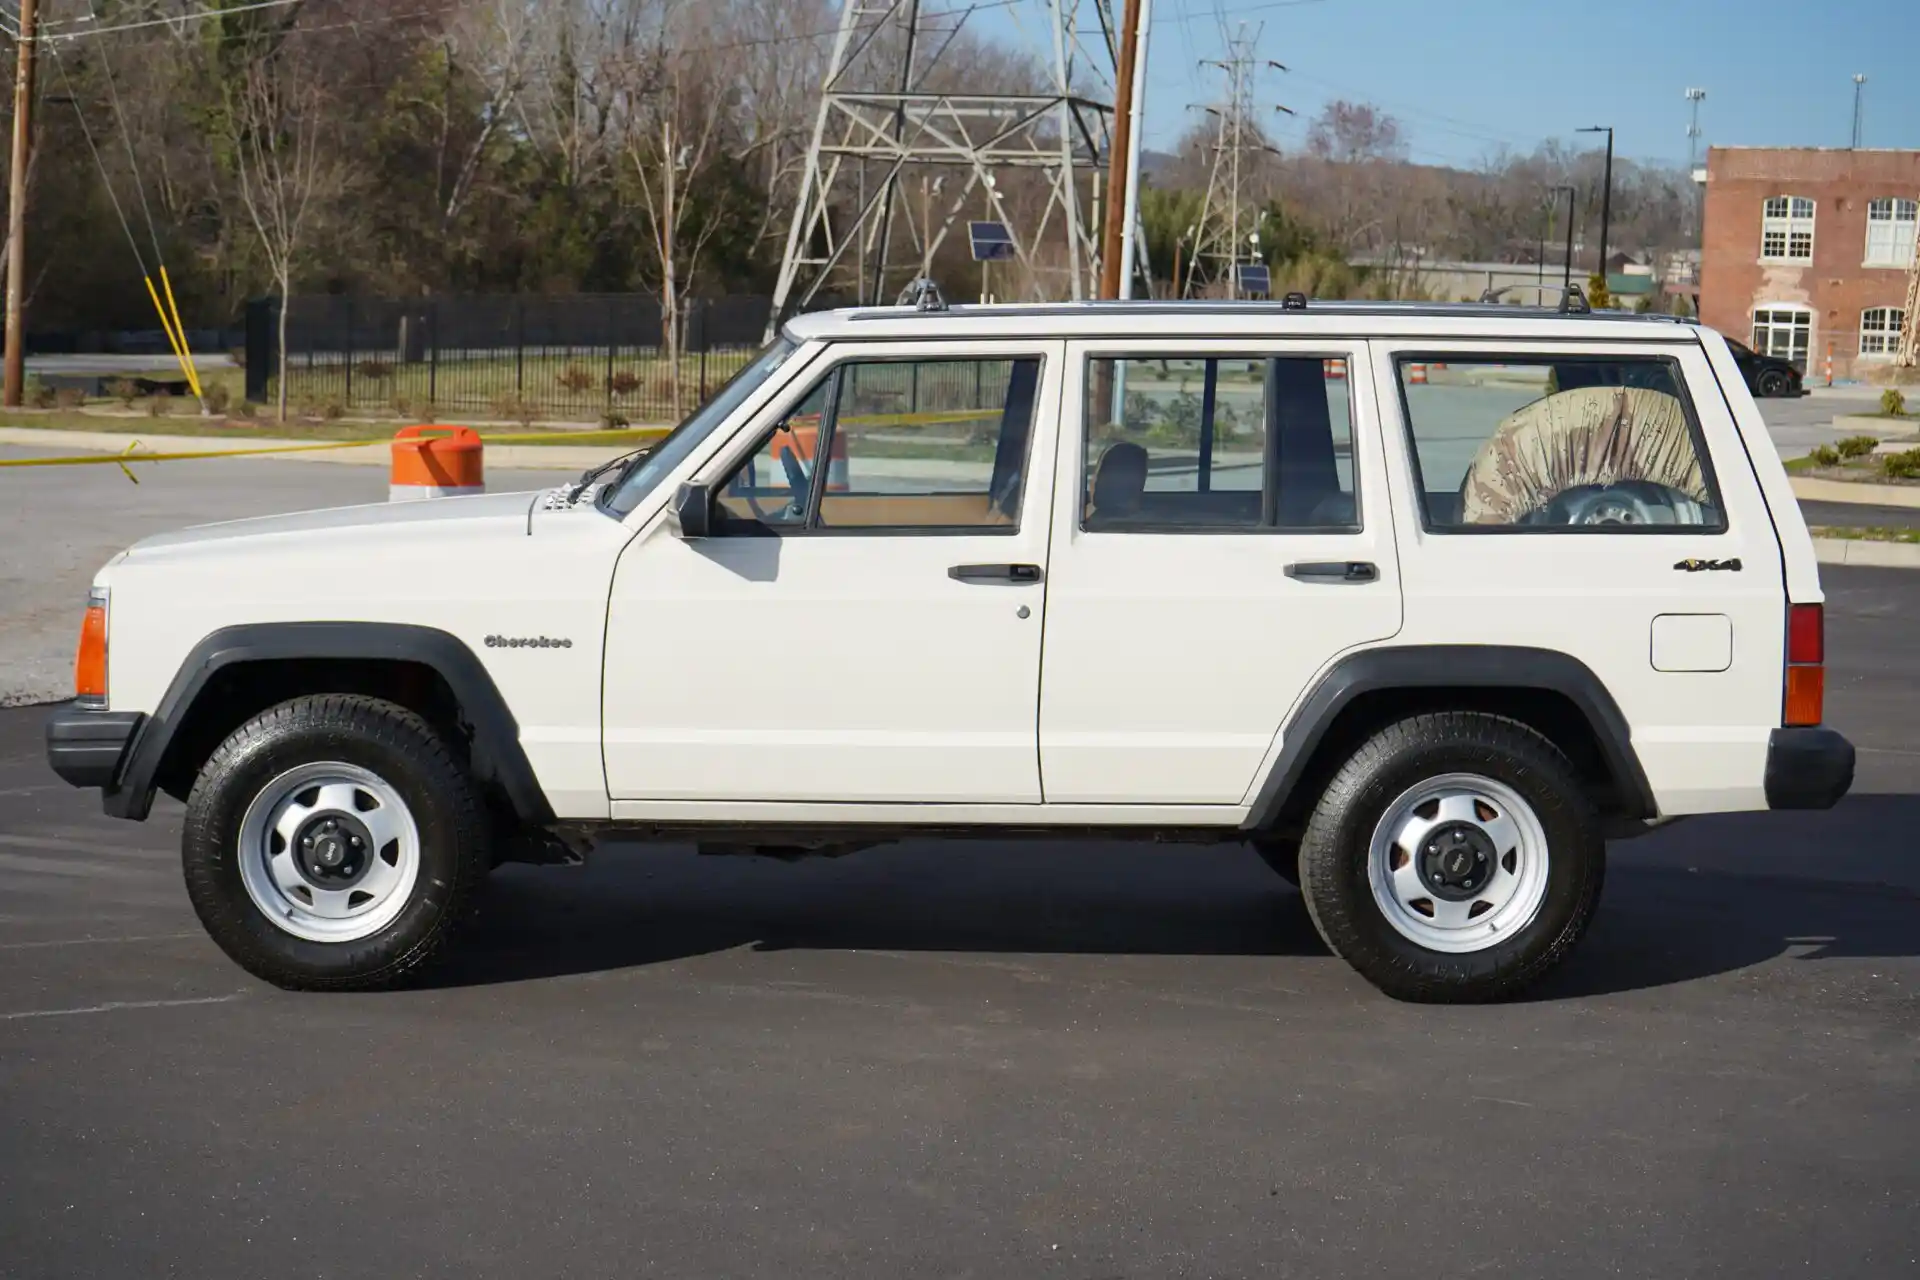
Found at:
(1707, 897)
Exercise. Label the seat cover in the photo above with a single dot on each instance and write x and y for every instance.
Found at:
(1589, 436)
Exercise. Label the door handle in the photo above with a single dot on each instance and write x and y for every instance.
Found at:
(1335, 571)
(995, 573)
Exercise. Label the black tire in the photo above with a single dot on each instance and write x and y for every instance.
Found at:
(1283, 856)
(1335, 850)
(404, 752)
(1773, 383)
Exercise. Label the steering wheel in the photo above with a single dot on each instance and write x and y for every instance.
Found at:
(1630, 502)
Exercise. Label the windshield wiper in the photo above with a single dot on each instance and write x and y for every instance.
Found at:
(623, 461)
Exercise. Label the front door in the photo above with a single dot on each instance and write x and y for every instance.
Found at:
(864, 625)
(1222, 532)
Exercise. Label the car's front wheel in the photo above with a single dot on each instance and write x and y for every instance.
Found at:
(332, 842)
(1454, 857)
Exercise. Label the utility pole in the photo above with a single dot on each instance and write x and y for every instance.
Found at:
(1566, 278)
(1694, 98)
(1859, 84)
(1606, 193)
(16, 348)
(1124, 158)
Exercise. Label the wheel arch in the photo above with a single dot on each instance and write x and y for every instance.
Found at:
(1552, 692)
(237, 672)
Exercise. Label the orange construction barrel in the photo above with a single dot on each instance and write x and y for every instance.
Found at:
(436, 462)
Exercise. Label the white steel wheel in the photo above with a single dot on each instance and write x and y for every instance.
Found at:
(329, 852)
(1458, 864)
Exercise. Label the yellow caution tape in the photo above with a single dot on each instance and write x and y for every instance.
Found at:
(612, 436)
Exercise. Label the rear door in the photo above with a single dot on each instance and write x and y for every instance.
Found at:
(1583, 499)
(1221, 533)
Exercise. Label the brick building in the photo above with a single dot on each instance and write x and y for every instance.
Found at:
(1807, 247)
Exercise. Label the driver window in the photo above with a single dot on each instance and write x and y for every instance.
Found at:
(772, 486)
(1566, 443)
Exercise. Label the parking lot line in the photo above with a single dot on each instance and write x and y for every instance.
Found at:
(116, 1006)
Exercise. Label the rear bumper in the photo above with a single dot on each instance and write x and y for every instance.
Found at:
(86, 747)
(1807, 768)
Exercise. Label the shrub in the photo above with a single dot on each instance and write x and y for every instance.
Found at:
(246, 410)
(125, 390)
(1901, 466)
(40, 395)
(1856, 446)
(217, 397)
(334, 409)
(159, 405)
(1824, 456)
(624, 383)
(1891, 401)
(69, 398)
(614, 420)
(238, 355)
(575, 378)
(514, 407)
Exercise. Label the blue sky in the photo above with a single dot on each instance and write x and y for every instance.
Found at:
(1468, 76)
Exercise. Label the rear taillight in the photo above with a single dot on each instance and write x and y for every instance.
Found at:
(90, 660)
(1806, 658)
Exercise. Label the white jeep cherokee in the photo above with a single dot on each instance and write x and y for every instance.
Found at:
(1424, 603)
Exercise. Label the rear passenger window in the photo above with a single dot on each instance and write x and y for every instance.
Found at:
(1218, 443)
(1600, 445)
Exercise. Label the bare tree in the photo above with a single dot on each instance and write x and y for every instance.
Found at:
(677, 116)
(285, 168)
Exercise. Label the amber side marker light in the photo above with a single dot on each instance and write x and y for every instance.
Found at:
(90, 659)
(1806, 664)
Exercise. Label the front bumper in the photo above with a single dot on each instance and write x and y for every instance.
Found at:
(86, 747)
(1807, 768)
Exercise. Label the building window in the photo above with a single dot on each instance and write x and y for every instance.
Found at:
(1880, 330)
(1784, 331)
(1786, 229)
(1890, 225)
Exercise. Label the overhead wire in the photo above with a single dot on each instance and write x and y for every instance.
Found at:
(176, 337)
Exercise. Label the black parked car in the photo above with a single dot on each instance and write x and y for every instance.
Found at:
(1766, 375)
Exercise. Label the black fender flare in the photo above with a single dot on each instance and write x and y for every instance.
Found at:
(497, 755)
(1452, 666)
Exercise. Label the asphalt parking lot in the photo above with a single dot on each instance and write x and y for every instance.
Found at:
(991, 1060)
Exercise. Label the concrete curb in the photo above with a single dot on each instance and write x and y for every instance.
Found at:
(1810, 489)
(1859, 551)
(530, 457)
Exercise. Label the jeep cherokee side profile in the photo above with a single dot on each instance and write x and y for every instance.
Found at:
(1424, 603)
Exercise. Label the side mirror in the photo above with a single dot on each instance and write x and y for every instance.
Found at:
(691, 512)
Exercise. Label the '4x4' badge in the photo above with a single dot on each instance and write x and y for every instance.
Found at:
(1709, 566)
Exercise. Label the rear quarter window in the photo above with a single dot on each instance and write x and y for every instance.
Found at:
(1557, 444)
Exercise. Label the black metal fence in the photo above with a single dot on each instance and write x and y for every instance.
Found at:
(578, 358)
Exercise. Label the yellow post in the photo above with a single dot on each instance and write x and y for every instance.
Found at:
(180, 328)
(173, 340)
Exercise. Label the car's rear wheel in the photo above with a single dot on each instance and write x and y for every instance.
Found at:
(333, 842)
(1772, 382)
(1453, 858)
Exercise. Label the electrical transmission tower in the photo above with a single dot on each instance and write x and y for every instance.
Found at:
(883, 114)
(1219, 246)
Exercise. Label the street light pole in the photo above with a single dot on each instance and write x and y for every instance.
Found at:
(1566, 279)
(1606, 194)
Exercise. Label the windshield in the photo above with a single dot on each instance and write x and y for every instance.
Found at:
(686, 437)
